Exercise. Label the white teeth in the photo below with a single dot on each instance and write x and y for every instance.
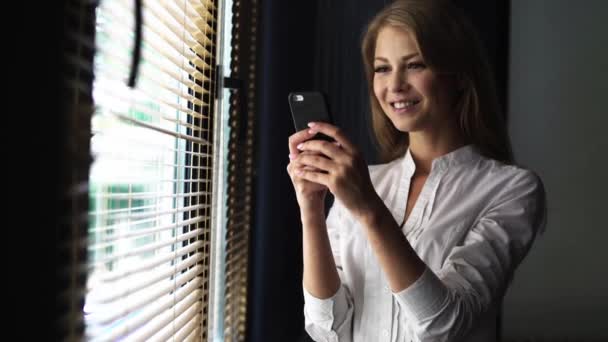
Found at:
(403, 104)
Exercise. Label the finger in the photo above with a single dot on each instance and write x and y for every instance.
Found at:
(289, 167)
(333, 132)
(312, 176)
(298, 164)
(296, 139)
(329, 149)
(293, 167)
(318, 162)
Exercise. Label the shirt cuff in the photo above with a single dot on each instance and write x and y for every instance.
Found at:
(424, 298)
(324, 311)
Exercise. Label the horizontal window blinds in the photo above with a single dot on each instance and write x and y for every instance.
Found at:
(241, 166)
(150, 183)
(73, 160)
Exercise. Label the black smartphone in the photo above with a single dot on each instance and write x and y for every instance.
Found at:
(307, 107)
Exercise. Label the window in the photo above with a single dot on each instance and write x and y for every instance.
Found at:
(167, 221)
(151, 181)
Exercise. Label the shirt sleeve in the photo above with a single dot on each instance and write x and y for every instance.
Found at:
(473, 279)
(330, 319)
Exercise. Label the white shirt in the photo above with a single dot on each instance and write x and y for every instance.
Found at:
(473, 223)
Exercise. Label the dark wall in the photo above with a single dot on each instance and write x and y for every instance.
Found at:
(559, 54)
(308, 45)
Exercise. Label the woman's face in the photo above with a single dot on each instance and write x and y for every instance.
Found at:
(414, 97)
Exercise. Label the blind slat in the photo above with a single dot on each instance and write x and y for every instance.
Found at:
(152, 247)
(159, 129)
(187, 293)
(158, 42)
(183, 49)
(152, 182)
(190, 21)
(129, 161)
(202, 10)
(163, 318)
(193, 18)
(111, 229)
(152, 211)
(175, 67)
(134, 141)
(150, 195)
(188, 328)
(106, 292)
(154, 75)
(208, 4)
(182, 319)
(194, 336)
(140, 233)
(234, 256)
(109, 313)
(186, 35)
(167, 114)
(151, 263)
(139, 93)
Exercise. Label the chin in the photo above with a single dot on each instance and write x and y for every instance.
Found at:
(408, 124)
(406, 128)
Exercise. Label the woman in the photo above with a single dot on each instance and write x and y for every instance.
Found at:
(422, 247)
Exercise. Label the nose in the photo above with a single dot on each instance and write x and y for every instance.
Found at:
(398, 82)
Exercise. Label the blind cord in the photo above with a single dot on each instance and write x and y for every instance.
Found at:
(136, 44)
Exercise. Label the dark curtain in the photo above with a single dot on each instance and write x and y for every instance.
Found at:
(284, 64)
(315, 45)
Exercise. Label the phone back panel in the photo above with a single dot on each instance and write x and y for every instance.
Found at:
(307, 107)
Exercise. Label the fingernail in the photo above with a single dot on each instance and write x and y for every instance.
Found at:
(300, 146)
(292, 156)
(312, 131)
(311, 124)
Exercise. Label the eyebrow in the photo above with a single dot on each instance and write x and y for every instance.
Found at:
(404, 58)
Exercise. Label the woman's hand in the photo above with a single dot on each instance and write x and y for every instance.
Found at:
(310, 195)
(339, 167)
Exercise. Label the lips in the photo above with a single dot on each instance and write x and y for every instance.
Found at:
(405, 105)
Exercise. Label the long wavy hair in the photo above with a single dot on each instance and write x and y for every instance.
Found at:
(448, 44)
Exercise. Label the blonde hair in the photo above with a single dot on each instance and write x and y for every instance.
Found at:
(448, 44)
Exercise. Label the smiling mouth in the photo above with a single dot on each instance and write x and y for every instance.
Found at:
(404, 105)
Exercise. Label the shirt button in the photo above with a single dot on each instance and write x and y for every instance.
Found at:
(385, 335)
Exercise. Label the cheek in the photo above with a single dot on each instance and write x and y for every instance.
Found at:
(435, 86)
(378, 89)
(425, 86)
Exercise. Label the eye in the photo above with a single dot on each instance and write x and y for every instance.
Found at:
(380, 69)
(416, 65)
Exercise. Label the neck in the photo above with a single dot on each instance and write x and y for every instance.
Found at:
(426, 147)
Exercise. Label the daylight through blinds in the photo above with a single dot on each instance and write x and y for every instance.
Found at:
(150, 183)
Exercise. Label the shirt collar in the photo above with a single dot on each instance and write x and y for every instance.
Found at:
(461, 155)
